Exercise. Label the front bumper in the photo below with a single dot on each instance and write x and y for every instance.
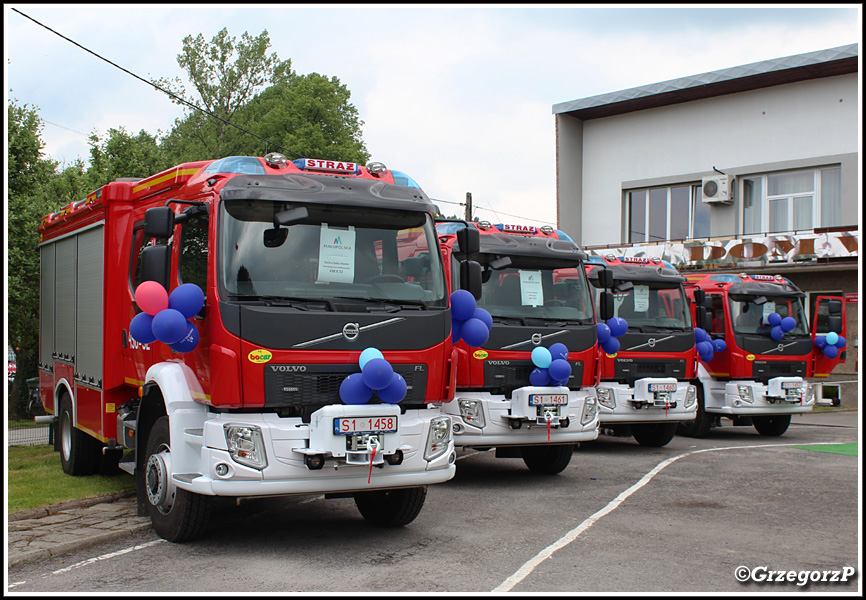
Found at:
(775, 398)
(619, 403)
(481, 419)
(366, 464)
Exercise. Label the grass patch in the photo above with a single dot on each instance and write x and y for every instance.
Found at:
(36, 479)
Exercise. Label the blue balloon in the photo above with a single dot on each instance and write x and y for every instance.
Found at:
(832, 338)
(700, 335)
(559, 370)
(776, 332)
(169, 326)
(831, 351)
(788, 323)
(456, 326)
(353, 390)
(188, 342)
(558, 350)
(562, 383)
(462, 305)
(840, 342)
(483, 316)
(618, 326)
(705, 347)
(820, 341)
(377, 373)
(719, 345)
(541, 357)
(774, 319)
(539, 377)
(611, 346)
(187, 299)
(603, 332)
(474, 332)
(367, 355)
(141, 328)
(395, 391)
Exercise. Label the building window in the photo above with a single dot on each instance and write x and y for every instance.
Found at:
(792, 200)
(667, 213)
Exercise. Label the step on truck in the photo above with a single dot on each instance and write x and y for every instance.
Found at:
(254, 384)
(507, 397)
(647, 364)
(768, 351)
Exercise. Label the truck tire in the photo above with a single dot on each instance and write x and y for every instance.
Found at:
(391, 508)
(79, 453)
(654, 435)
(176, 515)
(547, 460)
(774, 425)
(700, 427)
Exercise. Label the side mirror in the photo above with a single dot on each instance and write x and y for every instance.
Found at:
(834, 307)
(155, 264)
(469, 240)
(159, 222)
(834, 323)
(702, 318)
(700, 297)
(470, 277)
(605, 278)
(605, 305)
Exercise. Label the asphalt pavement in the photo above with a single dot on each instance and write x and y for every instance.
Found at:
(55, 530)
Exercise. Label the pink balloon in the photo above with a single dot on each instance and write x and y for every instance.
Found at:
(151, 297)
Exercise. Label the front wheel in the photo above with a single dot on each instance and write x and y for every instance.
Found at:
(654, 435)
(774, 425)
(391, 508)
(176, 515)
(703, 421)
(547, 460)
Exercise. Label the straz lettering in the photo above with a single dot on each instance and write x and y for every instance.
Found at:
(330, 165)
(519, 228)
(288, 368)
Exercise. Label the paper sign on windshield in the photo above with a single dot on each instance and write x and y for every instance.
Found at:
(641, 298)
(336, 255)
(767, 308)
(531, 293)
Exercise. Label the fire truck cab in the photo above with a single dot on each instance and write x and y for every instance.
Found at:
(760, 377)
(302, 267)
(645, 386)
(496, 404)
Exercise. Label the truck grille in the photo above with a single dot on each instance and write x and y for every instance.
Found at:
(630, 370)
(764, 370)
(515, 374)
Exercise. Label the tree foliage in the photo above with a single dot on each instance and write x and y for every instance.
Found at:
(120, 154)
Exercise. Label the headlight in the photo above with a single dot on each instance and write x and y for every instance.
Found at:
(808, 393)
(691, 396)
(438, 438)
(472, 412)
(590, 409)
(606, 397)
(246, 445)
(745, 392)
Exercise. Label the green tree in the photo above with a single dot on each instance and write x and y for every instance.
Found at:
(120, 154)
(29, 172)
(225, 75)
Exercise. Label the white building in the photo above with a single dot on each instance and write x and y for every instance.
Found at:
(751, 169)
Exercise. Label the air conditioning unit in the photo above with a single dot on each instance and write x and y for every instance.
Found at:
(718, 189)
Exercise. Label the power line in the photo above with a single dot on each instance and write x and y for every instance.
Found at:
(150, 83)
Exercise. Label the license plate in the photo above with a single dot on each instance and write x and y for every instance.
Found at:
(791, 385)
(548, 399)
(353, 425)
(662, 387)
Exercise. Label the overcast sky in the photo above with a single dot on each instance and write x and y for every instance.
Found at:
(459, 97)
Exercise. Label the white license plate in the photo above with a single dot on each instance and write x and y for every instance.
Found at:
(791, 385)
(353, 425)
(662, 387)
(548, 399)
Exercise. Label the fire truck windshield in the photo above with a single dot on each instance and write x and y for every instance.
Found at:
(327, 252)
(749, 313)
(649, 305)
(533, 290)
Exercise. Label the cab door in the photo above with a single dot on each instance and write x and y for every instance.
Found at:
(828, 318)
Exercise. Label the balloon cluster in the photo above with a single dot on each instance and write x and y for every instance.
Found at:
(608, 332)
(469, 323)
(552, 366)
(830, 344)
(165, 317)
(779, 325)
(377, 376)
(707, 346)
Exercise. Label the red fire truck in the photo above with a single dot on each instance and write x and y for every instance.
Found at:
(301, 269)
(497, 405)
(645, 386)
(759, 378)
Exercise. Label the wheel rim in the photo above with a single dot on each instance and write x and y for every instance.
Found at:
(160, 490)
(66, 435)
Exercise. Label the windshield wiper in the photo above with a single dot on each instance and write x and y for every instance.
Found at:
(318, 304)
(388, 304)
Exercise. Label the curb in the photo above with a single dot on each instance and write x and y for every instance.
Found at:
(52, 509)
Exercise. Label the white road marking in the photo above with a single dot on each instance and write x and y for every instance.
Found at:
(530, 565)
